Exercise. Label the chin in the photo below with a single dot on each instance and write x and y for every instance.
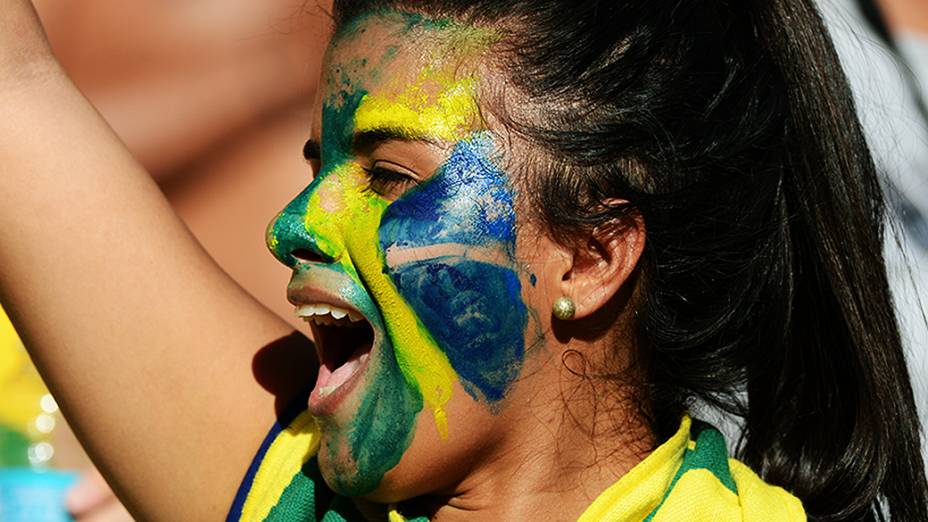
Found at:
(422, 469)
(365, 442)
(344, 477)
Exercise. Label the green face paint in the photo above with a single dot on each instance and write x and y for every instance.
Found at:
(463, 218)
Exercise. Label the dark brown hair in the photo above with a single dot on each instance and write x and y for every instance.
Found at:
(729, 126)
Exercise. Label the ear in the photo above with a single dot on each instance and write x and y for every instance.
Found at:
(602, 262)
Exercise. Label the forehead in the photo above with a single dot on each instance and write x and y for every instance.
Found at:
(399, 55)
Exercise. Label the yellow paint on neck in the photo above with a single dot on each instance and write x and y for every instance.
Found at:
(350, 231)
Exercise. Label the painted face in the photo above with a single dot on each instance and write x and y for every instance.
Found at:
(404, 250)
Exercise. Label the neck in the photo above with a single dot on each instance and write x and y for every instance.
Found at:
(576, 437)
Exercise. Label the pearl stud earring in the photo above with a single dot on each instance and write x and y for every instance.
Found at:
(564, 308)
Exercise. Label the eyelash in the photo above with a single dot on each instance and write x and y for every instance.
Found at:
(386, 182)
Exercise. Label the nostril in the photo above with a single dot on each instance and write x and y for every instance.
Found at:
(307, 255)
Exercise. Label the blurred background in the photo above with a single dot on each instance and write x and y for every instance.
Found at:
(213, 97)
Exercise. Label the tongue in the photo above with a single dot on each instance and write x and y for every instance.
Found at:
(329, 379)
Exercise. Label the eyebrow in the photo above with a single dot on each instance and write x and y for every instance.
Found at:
(369, 139)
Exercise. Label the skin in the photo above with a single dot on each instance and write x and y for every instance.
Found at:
(427, 349)
(177, 83)
(906, 15)
(99, 228)
(200, 116)
(447, 270)
(159, 393)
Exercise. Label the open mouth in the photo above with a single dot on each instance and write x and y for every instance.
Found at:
(344, 339)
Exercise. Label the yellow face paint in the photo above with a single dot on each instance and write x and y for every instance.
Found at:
(350, 231)
(348, 218)
(340, 218)
(449, 118)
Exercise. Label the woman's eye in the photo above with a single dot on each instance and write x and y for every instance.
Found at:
(388, 183)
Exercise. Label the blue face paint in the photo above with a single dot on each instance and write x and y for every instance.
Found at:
(459, 312)
(468, 294)
(468, 202)
(474, 311)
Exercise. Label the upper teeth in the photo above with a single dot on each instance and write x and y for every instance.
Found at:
(327, 314)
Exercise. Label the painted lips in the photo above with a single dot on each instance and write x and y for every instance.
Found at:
(344, 340)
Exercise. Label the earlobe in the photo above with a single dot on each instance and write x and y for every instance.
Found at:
(603, 263)
(564, 308)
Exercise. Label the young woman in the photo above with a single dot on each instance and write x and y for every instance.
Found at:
(537, 232)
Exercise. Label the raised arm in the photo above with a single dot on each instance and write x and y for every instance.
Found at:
(147, 344)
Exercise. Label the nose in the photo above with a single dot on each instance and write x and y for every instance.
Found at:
(287, 236)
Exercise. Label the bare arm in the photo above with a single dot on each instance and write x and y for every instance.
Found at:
(176, 80)
(146, 342)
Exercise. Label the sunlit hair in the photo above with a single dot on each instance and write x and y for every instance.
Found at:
(728, 125)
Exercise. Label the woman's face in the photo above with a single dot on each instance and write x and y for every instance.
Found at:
(406, 260)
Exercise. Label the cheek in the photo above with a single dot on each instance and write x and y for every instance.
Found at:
(358, 451)
(450, 249)
(476, 315)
